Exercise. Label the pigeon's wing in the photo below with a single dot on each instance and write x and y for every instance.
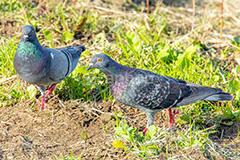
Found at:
(64, 61)
(158, 92)
(72, 53)
(199, 92)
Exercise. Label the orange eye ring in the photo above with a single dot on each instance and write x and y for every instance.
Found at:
(32, 32)
(99, 59)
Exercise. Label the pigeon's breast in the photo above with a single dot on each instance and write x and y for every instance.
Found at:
(31, 69)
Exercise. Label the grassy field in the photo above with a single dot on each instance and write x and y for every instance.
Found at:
(181, 42)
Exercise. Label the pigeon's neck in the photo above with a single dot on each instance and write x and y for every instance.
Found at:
(118, 78)
(115, 69)
(30, 49)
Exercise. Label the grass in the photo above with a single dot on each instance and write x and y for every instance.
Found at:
(153, 43)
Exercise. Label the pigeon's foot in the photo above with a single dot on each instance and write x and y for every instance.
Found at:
(50, 89)
(171, 115)
(41, 104)
(145, 130)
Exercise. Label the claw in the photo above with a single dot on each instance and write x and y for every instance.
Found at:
(50, 90)
(41, 104)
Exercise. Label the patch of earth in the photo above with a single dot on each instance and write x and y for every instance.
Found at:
(73, 126)
(61, 128)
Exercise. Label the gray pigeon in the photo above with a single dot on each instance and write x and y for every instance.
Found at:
(44, 66)
(151, 92)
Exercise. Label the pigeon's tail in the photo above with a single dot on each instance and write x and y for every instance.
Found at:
(222, 96)
(73, 53)
(76, 51)
(205, 93)
(80, 48)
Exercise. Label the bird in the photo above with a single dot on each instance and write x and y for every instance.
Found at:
(151, 92)
(44, 66)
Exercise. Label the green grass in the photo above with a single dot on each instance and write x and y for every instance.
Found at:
(129, 42)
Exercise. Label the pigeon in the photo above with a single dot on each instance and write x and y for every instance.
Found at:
(151, 92)
(43, 66)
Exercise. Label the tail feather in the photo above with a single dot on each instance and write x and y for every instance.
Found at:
(205, 93)
(80, 48)
(222, 96)
(73, 53)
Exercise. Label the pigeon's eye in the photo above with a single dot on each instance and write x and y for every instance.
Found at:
(32, 32)
(99, 59)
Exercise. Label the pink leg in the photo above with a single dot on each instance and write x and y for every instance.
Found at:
(42, 104)
(171, 116)
(50, 89)
(145, 130)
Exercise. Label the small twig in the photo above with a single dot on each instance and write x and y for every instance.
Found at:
(146, 23)
(222, 134)
(177, 14)
(2, 81)
(235, 18)
(61, 103)
(221, 21)
(108, 10)
(147, 6)
(193, 22)
(97, 110)
(6, 123)
(52, 117)
(224, 79)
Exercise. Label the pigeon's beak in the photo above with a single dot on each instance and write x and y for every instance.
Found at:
(25, 37)
(91, 65)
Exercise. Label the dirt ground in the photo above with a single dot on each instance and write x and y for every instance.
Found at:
(31, 134)
(58, 130)
(77, 127)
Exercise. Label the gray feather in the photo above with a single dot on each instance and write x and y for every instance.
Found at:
(44, 66)
(149, 91)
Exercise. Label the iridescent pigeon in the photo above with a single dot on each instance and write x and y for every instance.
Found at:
(151, 92)
(44, 66)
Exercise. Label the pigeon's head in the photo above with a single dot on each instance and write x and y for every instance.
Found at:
(28, 34)
(100, 61)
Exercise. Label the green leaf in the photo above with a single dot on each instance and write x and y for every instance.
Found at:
(134, 42)
(32, 91)
(237, 98)
(79, 69)
(235, 84)
(184, 60)
(152, 130)
(120, 43)
(237, 39)
(196, 142)
(228, 123)
(120, 132)
(67, 36)
(85, 53)
(236, 113)
(182, 136)
(152, 146)
(162, 52)
(228, 113)
(116, 28)
(48, 35)
(119, 144)
(216, 78)
(183, 119)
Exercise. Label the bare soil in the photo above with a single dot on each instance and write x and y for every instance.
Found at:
(58, 130)
(78, 127)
